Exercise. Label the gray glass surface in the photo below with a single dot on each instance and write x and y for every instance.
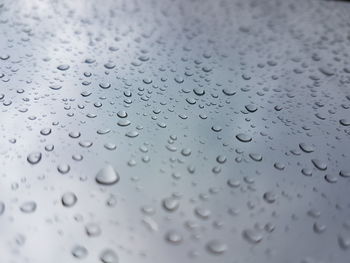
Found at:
(163, 131)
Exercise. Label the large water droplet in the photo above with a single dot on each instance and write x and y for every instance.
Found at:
(107, 176)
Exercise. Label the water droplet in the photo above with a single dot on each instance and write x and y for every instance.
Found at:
(132, 134)
(34, 157)
(74, 134)
(229, 92)
(243, 137)
(2, 208)
(28, 207)
(173, 237)
(306, 148)
(171, 204)
(92, 230)
(344, 242)
(107, 176)
(252, 236)
(63, 168)
(216, 247)
(202, 213)
(344, 173)
(109, 256)
(122, 114)
(344, 122)
(79, 252)
(69, 199)
(269, 197)
(110, 146)
(319, 228)
(63, 67)
(319, 164)
(45, 131)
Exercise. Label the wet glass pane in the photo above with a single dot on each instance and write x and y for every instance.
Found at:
(171, 131)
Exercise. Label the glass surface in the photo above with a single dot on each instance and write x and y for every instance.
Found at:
(162, 131)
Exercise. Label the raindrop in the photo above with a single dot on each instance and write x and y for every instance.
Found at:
(63, 67)
(28, 207)
(252, 236)
(107, 176)
(69, 199)
(34, 157)
(79, 252)
(216, 247)
(243, 137)
(108, 256)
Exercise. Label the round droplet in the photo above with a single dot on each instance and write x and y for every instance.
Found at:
(216, 247)
(34, 157)
(109, 256)
(28, 207)
(132, 134)
(202, 213)
(171, 204)
(92, 230)
(216, 128)
(45, 131)
(124, 122)
(74, 134)
(319, 228)
(279, 166)
(229, 92)
(173, 237)
(221, 159)
(105, 85)
(233, 183)
(107, 176)
(344, 242)
(49, 147)
(69, 199)
(110, 146)
(122, 114)
(186, 152)
(85, 144)
(269, 197)
(256, 157)
(252, 236)
(63, 67)
(251, 108)
(306, 172)
(63, 168)
(79, 252)
(77, 157)
(199, 91)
